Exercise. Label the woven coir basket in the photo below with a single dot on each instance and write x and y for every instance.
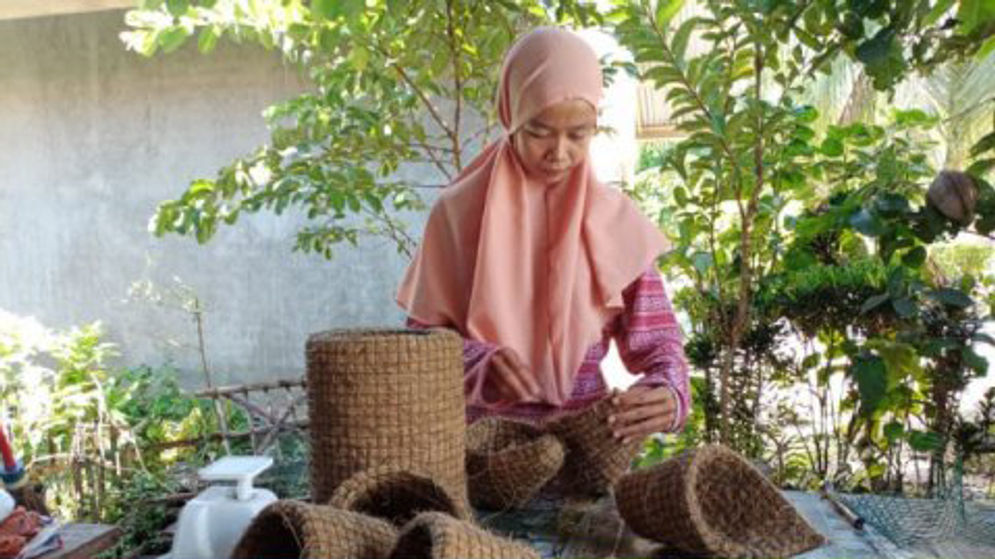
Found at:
(434, 535)
(711, 501)
(595, 459)
(508, 462)
(289, 529)
(396, 495)
(386, 397)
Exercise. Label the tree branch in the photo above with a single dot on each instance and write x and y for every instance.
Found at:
(424, 99)
(694, 92)
(458, 84)
(435, 160)
(395, 233)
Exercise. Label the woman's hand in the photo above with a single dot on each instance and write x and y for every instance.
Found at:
(510, 379)
(642, 411)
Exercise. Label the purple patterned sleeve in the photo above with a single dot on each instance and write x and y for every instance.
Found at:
(476, 357)
(650, 341)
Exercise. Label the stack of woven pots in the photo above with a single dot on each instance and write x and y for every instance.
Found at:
(388, 455)
(391, 458)
(709, 501)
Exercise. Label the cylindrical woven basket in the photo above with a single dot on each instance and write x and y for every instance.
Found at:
(396, 495)
(386, 397)
(712, 501)
(595, 459)
(508, 462)
(434, 535)
(292, 529)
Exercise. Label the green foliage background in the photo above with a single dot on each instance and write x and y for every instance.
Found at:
(836, 316)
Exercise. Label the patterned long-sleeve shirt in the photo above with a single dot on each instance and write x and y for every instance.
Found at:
(649, 341)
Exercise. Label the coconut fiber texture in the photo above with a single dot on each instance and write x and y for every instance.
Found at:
(396, 495)
(711, 501)
(508, 462)
(595, 459)
(434, 535)
(386, 397)
(291, 529)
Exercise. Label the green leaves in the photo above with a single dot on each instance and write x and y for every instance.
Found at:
(923, 441)
(208, 39)
(334, 9)
(915, 257)
(975, 14)
(894, 431)
(901, 359)
(872, 381)
(831, 147)
(867, 223)
(883, 59)
(905, 307)
(938, 10)
(951, 297)
(850, 265)
(377, 72)
(986, 143)
(666, 10)
(172, 38)
(679, 43)
(976, 362)
(874, 302)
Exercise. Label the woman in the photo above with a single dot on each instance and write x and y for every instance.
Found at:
(539, 266)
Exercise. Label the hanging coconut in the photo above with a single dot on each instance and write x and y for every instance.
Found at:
(954, 194)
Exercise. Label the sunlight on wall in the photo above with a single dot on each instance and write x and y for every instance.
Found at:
(614, 153)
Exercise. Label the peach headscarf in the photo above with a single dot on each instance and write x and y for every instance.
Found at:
(510, 261)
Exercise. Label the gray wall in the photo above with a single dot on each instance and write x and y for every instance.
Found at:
(92, 137)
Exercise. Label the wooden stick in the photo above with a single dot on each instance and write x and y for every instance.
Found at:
(852, 518)
(277, 426)
(288, 426)
(251, 387)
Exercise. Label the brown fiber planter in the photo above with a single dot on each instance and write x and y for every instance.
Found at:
(396, 495)
(434, 535)
(379, 397)
(508, 462)
(595, 460)
(293, 529)
(711, 501)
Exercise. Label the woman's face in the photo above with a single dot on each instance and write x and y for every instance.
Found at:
(553, 142)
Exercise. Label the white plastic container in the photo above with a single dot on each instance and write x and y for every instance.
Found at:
(211, 523)
(7, 505)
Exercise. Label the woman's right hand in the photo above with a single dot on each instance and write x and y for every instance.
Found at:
(510, 379)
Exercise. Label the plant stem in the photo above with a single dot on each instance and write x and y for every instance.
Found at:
(198, 316)
(458, 84)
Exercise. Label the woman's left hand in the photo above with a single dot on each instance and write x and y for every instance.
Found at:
(642, 411)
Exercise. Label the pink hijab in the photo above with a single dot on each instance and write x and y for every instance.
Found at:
(517, 263)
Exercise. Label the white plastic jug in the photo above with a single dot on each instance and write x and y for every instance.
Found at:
(7, 505)
(211, 523)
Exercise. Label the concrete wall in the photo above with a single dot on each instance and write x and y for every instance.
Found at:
(92, 137)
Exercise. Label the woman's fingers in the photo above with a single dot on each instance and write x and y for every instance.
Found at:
(640, 395)
(645, 428)
(638, 413)
(642, 411)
